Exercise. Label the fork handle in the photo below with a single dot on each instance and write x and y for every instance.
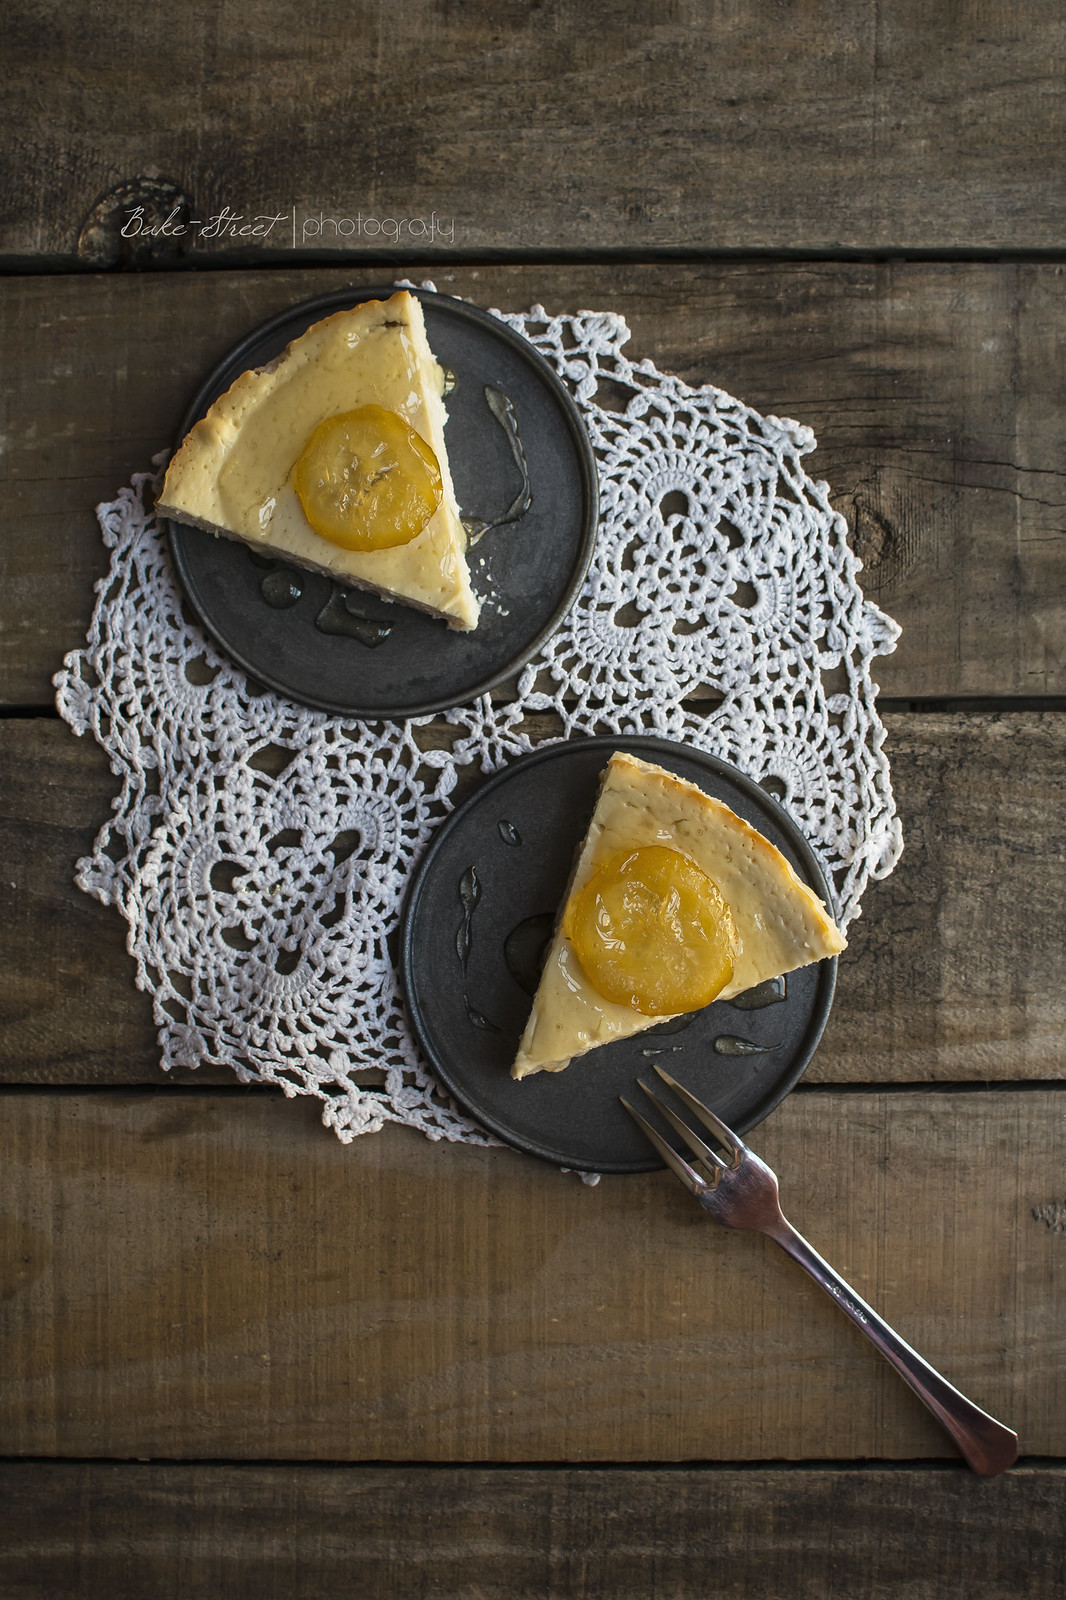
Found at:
(988, 1446)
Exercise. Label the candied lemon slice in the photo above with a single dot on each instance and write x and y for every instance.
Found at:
(651, 931)
(367, 480)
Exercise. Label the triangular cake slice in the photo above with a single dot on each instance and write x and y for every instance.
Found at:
(781, 924)
(233, 474)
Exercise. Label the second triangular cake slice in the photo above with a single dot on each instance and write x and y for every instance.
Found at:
(236, 471)
(780, 923)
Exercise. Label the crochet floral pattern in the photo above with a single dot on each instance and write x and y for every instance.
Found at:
(260, 851)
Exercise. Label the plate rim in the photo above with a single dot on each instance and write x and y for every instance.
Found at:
(635, 743)
(316, 307)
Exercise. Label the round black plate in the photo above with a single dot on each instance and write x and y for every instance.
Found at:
(519, 834)
(527, 573)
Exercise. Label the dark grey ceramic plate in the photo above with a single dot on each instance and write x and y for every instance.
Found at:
(518, 835)
(528, 573)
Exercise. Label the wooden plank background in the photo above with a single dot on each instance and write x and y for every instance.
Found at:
(682, 127)
(942, 980)
(935, 391)
(268, 1533)
(410, 1369)
(133, 1337)
(215, 1277)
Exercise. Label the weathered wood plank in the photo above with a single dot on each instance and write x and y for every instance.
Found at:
(70, 1011)
(953, 972)
(575, 127)
(934, 389)
(211, 1279)
(404, 1533)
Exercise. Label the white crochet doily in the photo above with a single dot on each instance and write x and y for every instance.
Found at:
(260, 901)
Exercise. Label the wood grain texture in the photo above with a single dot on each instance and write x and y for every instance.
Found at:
(61, 1019)
(555, 126)
(953, 971)
(404, 1533)
(935, 391)
(216, 1279)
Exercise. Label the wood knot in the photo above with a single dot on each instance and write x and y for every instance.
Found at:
(1052, 1214)
(875, 539)
(142, 222)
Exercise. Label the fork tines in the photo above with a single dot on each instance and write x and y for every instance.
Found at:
(693, 1180)
(732, 1141)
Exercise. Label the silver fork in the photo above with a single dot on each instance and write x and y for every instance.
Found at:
(741, 1192)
